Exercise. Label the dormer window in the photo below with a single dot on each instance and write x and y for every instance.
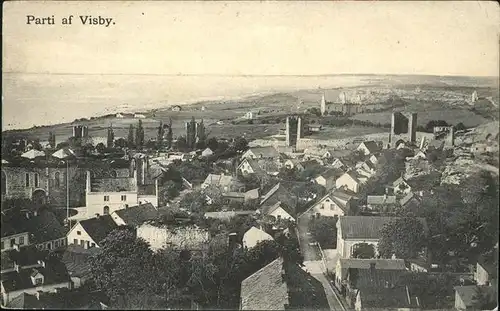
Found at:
(37, 278)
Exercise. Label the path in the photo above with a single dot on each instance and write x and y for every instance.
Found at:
(310, 252)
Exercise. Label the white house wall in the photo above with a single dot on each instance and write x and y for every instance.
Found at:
(282, 214)
(73, 234)
(330, 208)
(95, 202)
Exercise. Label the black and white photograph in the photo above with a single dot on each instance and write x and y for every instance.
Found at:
(250, 155)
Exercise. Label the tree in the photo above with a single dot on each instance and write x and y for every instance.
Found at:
(181, 144)
(324, 231)
(194, 201)
(111, 137)
(169, 134)
(121, 143)
(212, 143)
(460, 127)
(87, 149)
(124, 265)
(160, 134)
(363, 251)
(52, 140)
(101, 148)
(139, 136)
(240, 144)
(130, 139)
(404, 237)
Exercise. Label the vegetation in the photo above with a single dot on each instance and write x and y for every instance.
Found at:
(324, 231)
(364, 251)
(403, 237)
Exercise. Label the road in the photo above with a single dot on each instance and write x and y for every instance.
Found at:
(310, 252)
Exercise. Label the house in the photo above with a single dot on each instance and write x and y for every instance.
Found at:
(227, 215)
(314, 127)
(224, 182)
(63, 299)
(343, 265)
(279, 193)
(380, 202)
(410, 199)
(279, 210)
(268, 152)
(90, 232)
(44, 277)
(367, 167)
(282, 286)
(207, 152)
(106, 195)
(40, 228)
(363, 286)
(328, 178)
(176, 108)
(294, 164)
(338, 164)
(487, 268)
(400, 186)
(76, 259)
(352, 230)
(350, 180)
(374, 159)
(33, 154)
(21, 258)
(369, 147)
(250, 166)
(420, 155)
(253, 236)
(185, 237)
(334, 203)
(465, 297)
(139, 116)
(64, 153)
(119, 116)
(250, 115)
(135, 215)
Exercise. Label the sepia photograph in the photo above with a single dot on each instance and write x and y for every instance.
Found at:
(250, 155)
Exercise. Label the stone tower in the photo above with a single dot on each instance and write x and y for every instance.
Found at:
(293, 130)
(403, 128)
(323, 104)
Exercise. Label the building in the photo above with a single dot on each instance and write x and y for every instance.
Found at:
(279, 211)
(136, 215)
(44, 277)
(350, 180)
(294, 131)
(282, 286)
(280, 193)
(62, 299)
(465, 297)
(106, 195)
(344, 104)
(253, 236)
(400, 187)
(90, 232)
(334, 203)
(161, 236)
(353, 230)
(403, 128)
(369, 147)
(139, 116)
(207, 152)
(250, 166)
(487, 268)
(80, 131)
(76, 260)
(381, 203)
(39, 228)
(343, 265)
(261, 152)
(176, 108)
(225, 183)
(328, 178)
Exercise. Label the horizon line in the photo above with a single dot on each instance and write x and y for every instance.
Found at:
(246, 75)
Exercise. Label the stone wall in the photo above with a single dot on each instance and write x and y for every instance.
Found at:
(186, 237)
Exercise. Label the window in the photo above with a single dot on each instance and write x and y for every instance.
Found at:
(27, 179)
(21, 240)
(37, 181)
(82, 242)
(38, 281)
(12, 242)
(49, 245)
(106, 198)
(63, 242)
(322, 206)
(79, 233)
(75, 241)
(57, 179)
(105, 210)
(56, 243)
(124, 198)
(92, 244)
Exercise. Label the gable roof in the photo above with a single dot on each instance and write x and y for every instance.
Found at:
(468, 293)
(137, 215)
(265, 289)
(489, 263)
(381, 297)
(75, 257)
(45, 227)
(32, 154)
(331, 173)
(265, 152)
(365, 227)
(64, 153)
(98, 227)
(409, 196)
(25, 301)
(219, 180)
(268, 209)
(399, 181)
(370, 278)
(255, 235)
(279, 286)
(372, 146)
(25, 256)
(253, 164)
(274, 195)
(381, 199)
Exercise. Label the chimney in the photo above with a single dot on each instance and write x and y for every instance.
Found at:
(232, 240)
(27, 215)
(408, 295)
(38, 294)
(16, 247)
(16, 267)
(41, 263)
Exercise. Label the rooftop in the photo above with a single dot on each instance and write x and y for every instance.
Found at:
(137, 215)
(365, 227)
(381, 199)
(99, 227)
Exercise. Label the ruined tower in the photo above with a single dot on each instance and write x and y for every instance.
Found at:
(293, 130)
(323, 104)
(403, 128)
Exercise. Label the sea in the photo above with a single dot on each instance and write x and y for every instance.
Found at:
(45, 99)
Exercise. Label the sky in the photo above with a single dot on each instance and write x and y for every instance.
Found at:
(255, 38)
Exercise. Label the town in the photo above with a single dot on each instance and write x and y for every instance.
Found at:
(402, 219)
